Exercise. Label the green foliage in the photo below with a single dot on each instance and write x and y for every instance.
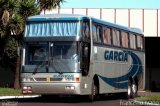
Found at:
(49, 4)
(155, 98)
(13, 5)
(13, 14)
(12, 26)
(28, 7)
(10, 5)
(10, 92)
(16, 18)
(15, 24)
(18, 11)
(2, 31)
(10, 49)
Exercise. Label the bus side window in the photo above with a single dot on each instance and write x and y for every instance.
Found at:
(124, 39)
(139, 42)
(132, 40)
(86, 30)
(94, 33)
(116, 37)
(99, 34)
(106, 35)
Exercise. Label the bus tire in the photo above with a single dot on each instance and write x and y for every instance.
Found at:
(94, 92)
(134, 90)
(129, 90)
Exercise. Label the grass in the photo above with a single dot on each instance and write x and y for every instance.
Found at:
(10, 92)
(151, 98)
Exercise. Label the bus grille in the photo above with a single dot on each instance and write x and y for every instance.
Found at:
(51, 79)
(55, 79)
(40, 79)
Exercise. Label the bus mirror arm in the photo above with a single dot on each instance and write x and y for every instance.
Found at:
(84, 72)
(47, 66)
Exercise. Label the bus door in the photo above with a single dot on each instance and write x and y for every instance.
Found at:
(85, 58)
(85, 47)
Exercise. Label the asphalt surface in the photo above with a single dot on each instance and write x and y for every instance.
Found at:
(111, 100)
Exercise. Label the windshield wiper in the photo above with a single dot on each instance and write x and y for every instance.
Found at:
(53, 67)
(45, 63)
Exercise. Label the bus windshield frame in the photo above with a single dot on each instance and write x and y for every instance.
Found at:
(59, 56)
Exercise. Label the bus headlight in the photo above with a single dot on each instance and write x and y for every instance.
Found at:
(77, 79)
(68, 79)
(26, 79)
(70, 87)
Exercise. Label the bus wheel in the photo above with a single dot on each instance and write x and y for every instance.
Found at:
(94, 92)
(134, 90)
(129, 90)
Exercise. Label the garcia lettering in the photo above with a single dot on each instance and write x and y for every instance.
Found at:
(116, 55)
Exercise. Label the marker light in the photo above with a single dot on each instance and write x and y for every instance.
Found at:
(77, 79)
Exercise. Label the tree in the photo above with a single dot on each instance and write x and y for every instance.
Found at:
(12, 18)
(49, 4)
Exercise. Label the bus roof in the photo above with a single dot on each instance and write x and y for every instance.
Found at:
(76, 17)
(134, 30)
(50, 17)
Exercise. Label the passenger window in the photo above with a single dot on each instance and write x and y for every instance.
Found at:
(132, 40)
(99, 34)
(139, 42)
(94, 33)
(124, 39)
(116, 37)
(86, 30)
(107, 35)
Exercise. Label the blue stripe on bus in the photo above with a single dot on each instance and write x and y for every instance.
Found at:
(122, 81)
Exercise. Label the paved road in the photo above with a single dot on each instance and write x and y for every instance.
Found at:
(67, 101)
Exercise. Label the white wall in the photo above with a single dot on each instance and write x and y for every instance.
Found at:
(108, 15)
(136, 19)
(148, 20)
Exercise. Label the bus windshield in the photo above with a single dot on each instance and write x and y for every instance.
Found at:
(37, 52)
(63, 50)
(58, 56)
(64, 56)
(56, 28)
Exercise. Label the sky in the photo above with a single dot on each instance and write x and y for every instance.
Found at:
(111, 4)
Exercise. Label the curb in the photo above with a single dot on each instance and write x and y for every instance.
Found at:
(146, 103)
(19, 97)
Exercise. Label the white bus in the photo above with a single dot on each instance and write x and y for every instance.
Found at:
(66, 54)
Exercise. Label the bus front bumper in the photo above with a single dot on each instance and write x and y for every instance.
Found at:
(51, 88)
